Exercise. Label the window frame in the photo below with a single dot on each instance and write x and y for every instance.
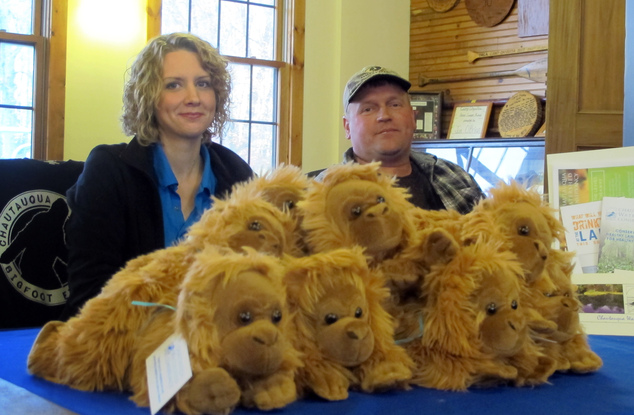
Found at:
(49, 42)
(52, 146)
(289, 61)
(36, 41)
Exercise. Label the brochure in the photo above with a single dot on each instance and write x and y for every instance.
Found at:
(587, 176)
(582, 223)
(607, 302)
(616, 241)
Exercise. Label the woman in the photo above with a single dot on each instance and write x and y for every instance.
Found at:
(134, 198)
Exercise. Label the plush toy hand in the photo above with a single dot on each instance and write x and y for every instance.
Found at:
(400, 275)
(385, 374)
(539, 324)
(272, 392)
(329, 382)
(497, 370)
(212, 391)
(439, 247)
(582, 359)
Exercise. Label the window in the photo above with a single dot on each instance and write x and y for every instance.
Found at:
(493, 160)
(29, 127)
(263, 40)
(22, 63)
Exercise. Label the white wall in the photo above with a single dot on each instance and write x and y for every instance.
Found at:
(343, 36)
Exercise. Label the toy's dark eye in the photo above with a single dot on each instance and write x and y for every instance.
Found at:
(524, 230)
(276, 317)
(380, 199)
(358, 312)
(245, 317)
(255, 226)
(491, 309)
(356, 211)
(514, 304)
(331, 318)
(289, 204)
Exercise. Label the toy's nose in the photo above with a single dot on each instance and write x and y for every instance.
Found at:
(266, 337)
(357, 331)
(542, 250)
(376, 211)
(271, 243)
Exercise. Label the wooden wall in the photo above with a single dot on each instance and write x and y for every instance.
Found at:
(439, 43)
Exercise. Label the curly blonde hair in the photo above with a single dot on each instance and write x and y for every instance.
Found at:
(143, 88)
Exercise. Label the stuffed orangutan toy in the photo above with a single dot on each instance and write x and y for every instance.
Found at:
(284, 187)
(342, 330)
(256, 214)
(356, 205)
(231, 311)
(476, 330)
(243, 220)
(529, 228)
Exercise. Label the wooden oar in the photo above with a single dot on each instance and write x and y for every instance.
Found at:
(473, 56)
(534, 71)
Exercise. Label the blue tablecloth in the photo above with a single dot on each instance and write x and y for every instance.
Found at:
(608, 391)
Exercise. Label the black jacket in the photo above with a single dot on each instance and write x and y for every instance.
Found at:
(116, 212)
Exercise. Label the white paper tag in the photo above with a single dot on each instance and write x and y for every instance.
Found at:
(168, 369)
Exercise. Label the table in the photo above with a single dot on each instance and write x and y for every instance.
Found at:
(608, 391)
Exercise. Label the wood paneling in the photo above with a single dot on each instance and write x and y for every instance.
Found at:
(439, 43)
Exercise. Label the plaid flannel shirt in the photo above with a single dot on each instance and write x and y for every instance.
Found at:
(455, 187)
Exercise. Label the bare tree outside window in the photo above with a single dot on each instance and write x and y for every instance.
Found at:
(244, 31)
(21, 67)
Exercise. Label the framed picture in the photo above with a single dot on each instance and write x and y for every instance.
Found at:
(469, 120)
(428, 106)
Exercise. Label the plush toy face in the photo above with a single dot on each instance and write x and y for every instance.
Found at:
(261, 233)
(363, 208)
(559, 303)
(284, 198)
(503, 328)
(332, 297)
(530, 236)
(249, 310)
(245, 219)
(341, 325)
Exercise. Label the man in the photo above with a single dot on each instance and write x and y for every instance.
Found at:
(379, 122)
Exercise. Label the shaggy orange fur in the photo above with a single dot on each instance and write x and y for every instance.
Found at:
(356, 205)
(284, 187)
(234, 359)
(476, 329)
(527, 226)
(245, 219)
(342, 330)
(104, 331)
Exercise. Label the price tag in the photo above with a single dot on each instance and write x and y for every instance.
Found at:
(168, 369)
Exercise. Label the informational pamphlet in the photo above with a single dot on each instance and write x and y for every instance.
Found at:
(616, 247)
(588, 176)
(583, 226)
(607, 302)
